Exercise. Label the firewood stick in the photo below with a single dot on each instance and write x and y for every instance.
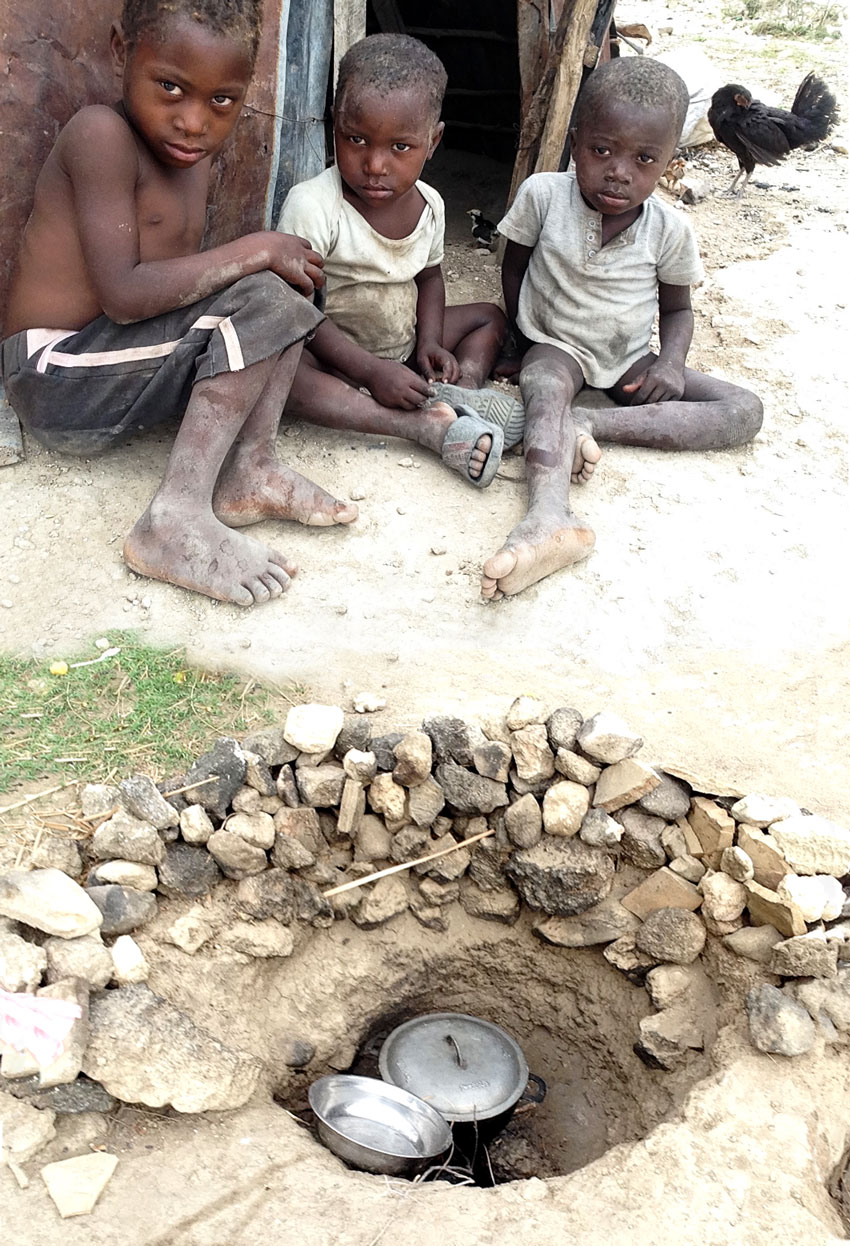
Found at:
(405, 865)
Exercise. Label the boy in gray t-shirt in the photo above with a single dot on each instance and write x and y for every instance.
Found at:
(590, 258)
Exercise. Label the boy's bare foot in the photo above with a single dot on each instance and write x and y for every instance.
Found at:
(536, 547)
(255, 485)
(587, 455)
(195, 551)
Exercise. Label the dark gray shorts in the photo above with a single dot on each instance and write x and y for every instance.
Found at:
(83, 391)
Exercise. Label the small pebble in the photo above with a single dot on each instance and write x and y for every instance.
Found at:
(147, 602)
(408, 462)
(101, 643)
(438, 549)
(357, 495)
(6, 604)
(368, 703)
(401, 510)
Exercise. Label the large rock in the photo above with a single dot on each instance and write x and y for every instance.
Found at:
(219, 774)
(143, 799)
(56, 852)
(122, 909)
(493, 760)
(805, 956)
(663, 889)
(86, 958)
(270, 744)
(127, 838)
(144, 1050)
(125, 874)
(320, 787)
(50, 901)
(754, 942)
(524, 822)
(469, 792)
(608, 738)
(561, 877)
(670, 800)
(641, 842)
(129, 961)
(386, 899)
(762, 811)
(563, 725)
(452, 866)
(564, 807)
(767, 908)
(388, 798)
(603, 923)
(525, 712)
(532, 754)
(262, 939)
(189, 870)
(673, 935)
(500, 905)
(22, 964)
(769, 865)
(666, 1037)
(453, 739)
(425, 801)
(819, 897)
(69, 1062)
(270, 894)
(24, 1130)
(623, 783)
(830, 999)
(813, 845)
(778, 1024)
(235, 857)
(195, 824)
(712, 826)
(600, 830)
(574, 766)
(414, 754)
(723, 900)
(313, 728)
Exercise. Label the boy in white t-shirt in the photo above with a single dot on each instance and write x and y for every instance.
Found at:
(591, 258)
(372, 365)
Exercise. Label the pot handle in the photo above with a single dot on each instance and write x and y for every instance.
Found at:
(537, 1096)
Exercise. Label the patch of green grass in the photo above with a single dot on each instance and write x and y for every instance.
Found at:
(143, 709)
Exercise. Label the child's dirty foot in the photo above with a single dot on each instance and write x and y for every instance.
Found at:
(197, 552)
(472, 447)
(534, 549)
(256, 487)
(587, 455)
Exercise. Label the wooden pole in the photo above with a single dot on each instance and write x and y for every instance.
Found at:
(405, 865)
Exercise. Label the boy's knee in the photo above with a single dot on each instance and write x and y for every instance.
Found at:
(746, 417)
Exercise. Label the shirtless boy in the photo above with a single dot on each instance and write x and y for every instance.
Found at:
(379, 230)
(591, 257)
(118, 321)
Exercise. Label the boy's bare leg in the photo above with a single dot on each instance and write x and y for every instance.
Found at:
(326, 399)
(550, 536)
(178, 539)
(475, 334)
(711, 415)
(255, 485)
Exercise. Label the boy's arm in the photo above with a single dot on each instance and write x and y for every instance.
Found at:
(102, 163)
(514, 265)
(433, 360)
(664, 380)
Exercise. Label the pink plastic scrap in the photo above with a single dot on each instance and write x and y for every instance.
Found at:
(36, 1024)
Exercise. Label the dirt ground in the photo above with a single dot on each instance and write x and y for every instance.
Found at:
(713, 616)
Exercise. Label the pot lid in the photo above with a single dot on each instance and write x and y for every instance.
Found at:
(466, 1068)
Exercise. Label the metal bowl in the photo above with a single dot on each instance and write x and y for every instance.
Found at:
(377, 1127)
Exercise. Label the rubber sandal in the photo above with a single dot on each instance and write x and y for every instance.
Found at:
(462, 438)
(493, 405)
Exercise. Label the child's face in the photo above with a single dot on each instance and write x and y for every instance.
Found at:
(183, 93)
(382, 143)
(620, 154)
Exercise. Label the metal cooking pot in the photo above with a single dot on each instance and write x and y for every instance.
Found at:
(377, 1127)
(470, 1070)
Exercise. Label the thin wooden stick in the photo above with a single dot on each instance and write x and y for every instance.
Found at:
(405, 865)
(48, 791)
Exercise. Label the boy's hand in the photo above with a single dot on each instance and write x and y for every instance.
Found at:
(295, 261)
(397, 386)
(437, 364)
(661, 382)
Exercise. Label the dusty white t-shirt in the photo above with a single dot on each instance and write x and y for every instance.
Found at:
(596, 303)
(370, 293)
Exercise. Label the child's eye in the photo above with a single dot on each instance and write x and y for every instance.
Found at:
(401, 147)
(644, 159)
(170, 88)
(600, 150)
(356, 139)
(222, 100)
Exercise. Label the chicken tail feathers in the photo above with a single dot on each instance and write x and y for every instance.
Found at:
(815, 106)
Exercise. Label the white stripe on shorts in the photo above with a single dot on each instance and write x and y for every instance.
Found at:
(106, 358)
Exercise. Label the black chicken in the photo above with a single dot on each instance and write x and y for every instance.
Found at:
(759, 134)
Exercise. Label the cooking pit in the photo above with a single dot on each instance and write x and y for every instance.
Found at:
(239, 932)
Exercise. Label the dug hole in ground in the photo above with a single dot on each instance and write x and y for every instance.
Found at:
(713, 616)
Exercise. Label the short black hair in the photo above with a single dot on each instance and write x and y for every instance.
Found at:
(392, 63)
(636, 80)
(240, 19)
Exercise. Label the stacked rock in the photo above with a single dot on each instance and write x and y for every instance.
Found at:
(606, 851)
